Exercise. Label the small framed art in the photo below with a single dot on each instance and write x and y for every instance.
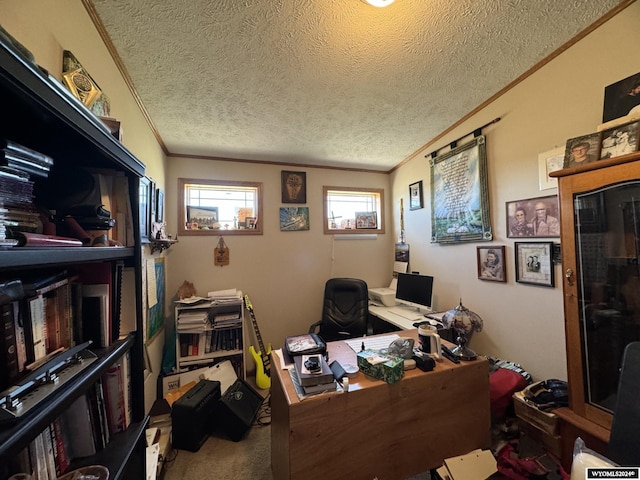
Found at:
(294, 219)
(202, 218)
(619, 140)
(415, 196)
(144, 211)
(159, 205)
(294, 187)
(366, 220)
(534, 263)
(548, 162)
(582, 150)
(491, 264)
(533, 217)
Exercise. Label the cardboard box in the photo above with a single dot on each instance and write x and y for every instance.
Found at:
(475, 465)
(551, 443)
(382, 367)
(545, 421)
(222, 372)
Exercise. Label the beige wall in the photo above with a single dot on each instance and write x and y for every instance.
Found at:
(564, 99)
(284, 271)
(46, 28)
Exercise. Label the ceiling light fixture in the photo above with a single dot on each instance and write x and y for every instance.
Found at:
(379, 3)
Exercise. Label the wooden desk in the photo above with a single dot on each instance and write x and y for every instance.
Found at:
(376, 429)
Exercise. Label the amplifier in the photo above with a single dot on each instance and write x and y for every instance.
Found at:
(238, 409)
(192, 415)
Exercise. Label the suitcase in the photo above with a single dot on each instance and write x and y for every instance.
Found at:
(193, 414)
(237, 410)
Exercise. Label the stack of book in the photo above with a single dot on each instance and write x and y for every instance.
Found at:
(17, 165)
(19, 159)
(314, 382)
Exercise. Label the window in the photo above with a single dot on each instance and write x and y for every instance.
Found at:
(214, 207)
(353, 210)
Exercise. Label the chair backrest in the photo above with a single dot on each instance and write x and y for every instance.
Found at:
(345, 309)
(624, 443)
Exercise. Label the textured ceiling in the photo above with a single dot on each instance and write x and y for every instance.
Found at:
(327, 82)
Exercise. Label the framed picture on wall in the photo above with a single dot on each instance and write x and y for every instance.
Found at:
(533, 217)
(415, 196)
(294, 187)
(534, 263)
(460, 195)
(144, 211)
(491, 263)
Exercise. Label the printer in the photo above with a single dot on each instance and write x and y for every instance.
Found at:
(384, 295)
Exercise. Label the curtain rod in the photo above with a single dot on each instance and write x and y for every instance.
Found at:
(476, 133)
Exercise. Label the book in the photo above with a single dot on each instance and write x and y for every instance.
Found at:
(26, 239)
(113, 387)
(306, 378)
(9, 370)
(95, 314)
(100, 280)
(77, 422)
(320, 388)
(38, 328)
(34, 155)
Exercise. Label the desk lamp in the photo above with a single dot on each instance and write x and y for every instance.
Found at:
(464, 322)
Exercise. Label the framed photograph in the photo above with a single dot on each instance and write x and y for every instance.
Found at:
(619, 140)
(533, 217)
(366, 220)
(294, 187)
(159, 206)
(294, 219)
(202, 218)
(415, 196)
(534, 263)
(548, 162)
(622, 98)
(152, 204)
(144, 212)
(582, 150)
(491, 264)
(250, 222)
(460, 195)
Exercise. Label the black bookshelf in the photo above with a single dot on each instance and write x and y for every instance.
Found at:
(39, 113)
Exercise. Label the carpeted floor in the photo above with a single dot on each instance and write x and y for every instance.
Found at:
(223, 459)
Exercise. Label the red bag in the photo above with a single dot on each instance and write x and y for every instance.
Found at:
(503, 383)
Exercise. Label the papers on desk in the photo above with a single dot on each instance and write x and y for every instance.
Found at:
(400, 267)
(377, 342)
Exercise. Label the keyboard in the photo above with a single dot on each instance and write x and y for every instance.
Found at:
(405, 313)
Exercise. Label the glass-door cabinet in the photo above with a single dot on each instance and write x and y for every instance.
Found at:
(600, 218)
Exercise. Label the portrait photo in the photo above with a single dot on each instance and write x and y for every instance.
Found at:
(294, 187)
(622, 98)
(582, 150)
(533, 217)
(619, 141)
(491, 265)
(534, 263)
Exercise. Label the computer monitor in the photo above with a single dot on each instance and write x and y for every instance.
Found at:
(415, 290)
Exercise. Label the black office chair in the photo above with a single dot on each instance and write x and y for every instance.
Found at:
(345, 310)
(624, 442)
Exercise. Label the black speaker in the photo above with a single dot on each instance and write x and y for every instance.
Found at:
(237, 409)
(193, 415)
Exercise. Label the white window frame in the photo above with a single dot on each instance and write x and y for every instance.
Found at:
(228, 226)
(364, 199)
